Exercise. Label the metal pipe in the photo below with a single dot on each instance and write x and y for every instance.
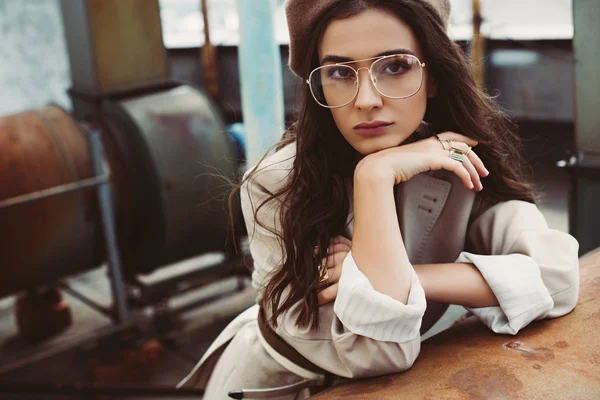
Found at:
(584, 164)
(84, 299)
(260, 77)
(209, 57)
(108, 223)
(477, 45)
(587, 75)
(55, 191)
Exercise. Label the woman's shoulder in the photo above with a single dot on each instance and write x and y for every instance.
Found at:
(273, 171)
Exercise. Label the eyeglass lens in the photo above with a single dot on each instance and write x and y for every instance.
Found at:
(395, 76)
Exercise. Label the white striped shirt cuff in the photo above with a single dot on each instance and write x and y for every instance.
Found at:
(367, 312)
(517, 283)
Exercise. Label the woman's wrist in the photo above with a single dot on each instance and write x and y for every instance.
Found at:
(371, 171)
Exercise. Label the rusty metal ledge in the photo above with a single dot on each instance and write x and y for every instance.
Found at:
(550, 359)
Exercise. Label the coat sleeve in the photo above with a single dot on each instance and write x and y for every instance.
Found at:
(365, 333)
(532, 270)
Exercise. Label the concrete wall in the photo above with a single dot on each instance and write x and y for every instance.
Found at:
(34, 67)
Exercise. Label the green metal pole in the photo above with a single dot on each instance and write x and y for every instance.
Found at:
(260, 77)
(584, 216)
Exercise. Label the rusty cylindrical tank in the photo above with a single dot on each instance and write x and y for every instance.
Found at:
(50, 238)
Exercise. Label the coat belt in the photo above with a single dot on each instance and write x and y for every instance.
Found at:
(283, 348)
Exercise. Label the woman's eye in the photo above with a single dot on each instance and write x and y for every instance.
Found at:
(395, 68)
(340, 73)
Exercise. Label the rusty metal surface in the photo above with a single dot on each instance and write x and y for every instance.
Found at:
(53, 237)
(550, 359)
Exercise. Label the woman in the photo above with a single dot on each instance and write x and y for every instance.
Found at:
(365, 225)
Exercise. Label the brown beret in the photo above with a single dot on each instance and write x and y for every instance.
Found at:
(302, 15)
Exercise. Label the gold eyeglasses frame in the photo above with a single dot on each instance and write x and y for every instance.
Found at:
(373, 81)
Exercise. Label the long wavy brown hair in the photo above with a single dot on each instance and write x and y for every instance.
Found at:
(315, 196)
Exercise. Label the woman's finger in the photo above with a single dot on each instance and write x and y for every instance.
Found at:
(474, 175)
(341, 239)
(458, 138)
(335, 272)
(334, 265)
(336, 248)
(338, 239)
(328, 294)
(335, 259)
(441, 160)
(478, 164)
(472, 156)
(472, 163)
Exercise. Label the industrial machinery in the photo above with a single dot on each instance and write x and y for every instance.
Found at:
(171, 164)
(138, 177)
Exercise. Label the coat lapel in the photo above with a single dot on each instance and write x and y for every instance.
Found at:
(419, 204)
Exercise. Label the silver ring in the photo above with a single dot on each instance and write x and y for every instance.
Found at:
(457, 156)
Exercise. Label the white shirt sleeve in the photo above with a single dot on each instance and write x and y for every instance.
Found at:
(532, 270)
(367, 312)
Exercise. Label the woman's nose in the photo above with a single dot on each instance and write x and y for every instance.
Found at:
(368, 97)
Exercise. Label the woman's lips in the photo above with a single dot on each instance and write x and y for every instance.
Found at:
(372, 128)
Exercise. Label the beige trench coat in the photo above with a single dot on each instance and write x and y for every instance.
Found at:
(532, 270)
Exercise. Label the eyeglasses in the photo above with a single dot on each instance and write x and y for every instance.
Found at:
(396, 76)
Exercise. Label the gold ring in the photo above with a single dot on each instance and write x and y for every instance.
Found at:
(468, 151)
(323, 272)
(440, 140)
(459, 151)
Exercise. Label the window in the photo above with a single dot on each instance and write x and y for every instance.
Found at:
(183, 25)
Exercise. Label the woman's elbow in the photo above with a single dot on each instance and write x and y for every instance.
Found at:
(383, 359)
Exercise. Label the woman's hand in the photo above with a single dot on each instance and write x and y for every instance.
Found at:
(403, 162)
(339, 247)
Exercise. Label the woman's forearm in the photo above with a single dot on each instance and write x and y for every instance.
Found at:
(456, 283)
(377, 245)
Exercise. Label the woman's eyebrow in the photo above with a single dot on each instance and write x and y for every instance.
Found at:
(340, 59)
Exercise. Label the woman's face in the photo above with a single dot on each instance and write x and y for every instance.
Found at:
(367, 35)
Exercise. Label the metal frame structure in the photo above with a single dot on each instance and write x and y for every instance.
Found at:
(101, 181)
(584, 162)
(120, 313)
